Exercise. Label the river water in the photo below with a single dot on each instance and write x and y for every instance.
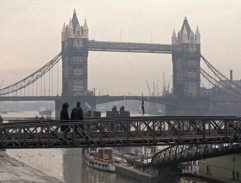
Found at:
(66, 165)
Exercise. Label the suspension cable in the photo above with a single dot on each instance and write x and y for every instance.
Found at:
(218, 73)
(31, 78)
(57, 79)
(224, 84)
(208, 76)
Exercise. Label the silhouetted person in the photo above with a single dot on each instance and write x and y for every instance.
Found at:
(64, 115)
(77, 115)
(1, 121)
(1, 124)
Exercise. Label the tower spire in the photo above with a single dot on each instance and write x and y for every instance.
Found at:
(174, 37)
(197, 32)
(85, 25)
(70, 24)
(197, 36)
(85, 30)
(75, 20)
(63, 30)
(186, 25)
(174, 34)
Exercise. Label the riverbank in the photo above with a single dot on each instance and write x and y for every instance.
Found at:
(133, 173)
(208, 179)
(12, 171)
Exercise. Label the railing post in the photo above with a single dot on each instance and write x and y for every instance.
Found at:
(204, 131)
(179, 131)
(153, 133)
(88, 140)
(101, 129)
(1, 136)
(127, 132)
(74, 127)
(41, 132)
(226, 130)
(48, 140)
(24, 137)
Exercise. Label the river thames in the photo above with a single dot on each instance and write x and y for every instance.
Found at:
(66, 165)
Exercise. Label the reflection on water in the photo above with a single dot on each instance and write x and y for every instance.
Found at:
(66, 165)
(76, 171)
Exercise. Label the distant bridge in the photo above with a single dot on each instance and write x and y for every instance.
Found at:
(168, 100)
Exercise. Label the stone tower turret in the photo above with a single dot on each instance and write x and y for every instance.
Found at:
(197, 36)
(174, 37)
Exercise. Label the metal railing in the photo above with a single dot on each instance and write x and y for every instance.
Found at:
(133, 131)
(176, 154)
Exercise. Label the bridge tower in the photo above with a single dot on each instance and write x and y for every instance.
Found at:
(186, 64)
(74, 55)
(186, 72)
(75, 66)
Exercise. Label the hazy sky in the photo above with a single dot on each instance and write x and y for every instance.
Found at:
(31, 36)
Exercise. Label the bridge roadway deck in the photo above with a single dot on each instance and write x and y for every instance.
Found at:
(169, 100)
(29, 98)
(132, 47)
(133, 131)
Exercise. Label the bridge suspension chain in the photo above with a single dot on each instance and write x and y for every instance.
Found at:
(217, 84)
(31, 78)
(227, 84)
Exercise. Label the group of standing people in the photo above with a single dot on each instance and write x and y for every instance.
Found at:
(76, 115)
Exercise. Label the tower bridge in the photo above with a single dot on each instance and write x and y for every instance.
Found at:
(185, 50)
(186, 99)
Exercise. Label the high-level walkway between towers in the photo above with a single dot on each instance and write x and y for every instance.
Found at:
(132, 47)
(132, 131)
